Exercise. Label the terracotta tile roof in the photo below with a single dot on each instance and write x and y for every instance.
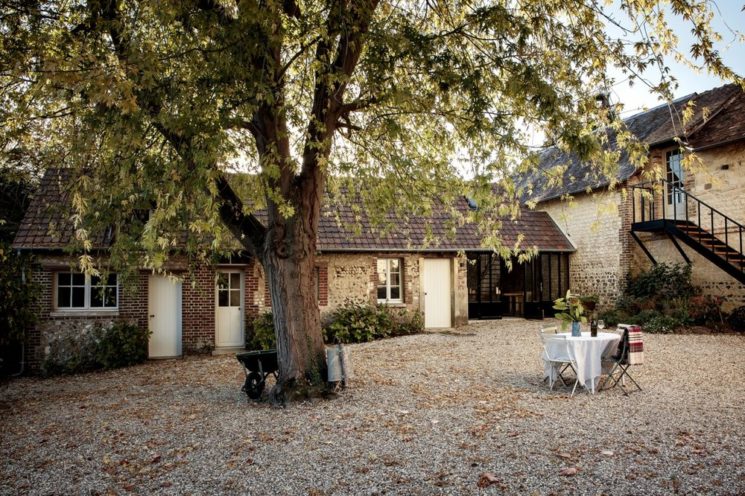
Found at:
(724, 126)
(655, 127)
(49, 209)
(47, 224)
(536, 228)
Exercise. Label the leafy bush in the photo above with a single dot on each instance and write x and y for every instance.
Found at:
(664, 281)
(96, 347)
(736, 319)
(358, 323)
(122, 345)
(661, 324)
(350, 323)
(17, 297)
(663, 299)
(643, 317)
(406, 322)
(614, 317)
(706, 310)
(262, 336)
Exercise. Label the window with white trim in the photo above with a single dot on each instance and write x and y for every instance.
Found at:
(389, 280)
(76, 291)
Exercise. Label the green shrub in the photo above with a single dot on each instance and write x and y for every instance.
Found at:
(736, 319)
(122, 345)
(358, 323)
(17, 297)
(706, 310)
(663, 281)
(350, 323)
(614, 316)
(643, 317)
(262, 335)
(663, 299)
(661, 324)
(406, 322)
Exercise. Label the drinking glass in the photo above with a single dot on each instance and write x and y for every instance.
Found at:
(601, 324)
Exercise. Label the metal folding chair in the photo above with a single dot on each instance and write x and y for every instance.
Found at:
(558, 360)
(630, 352)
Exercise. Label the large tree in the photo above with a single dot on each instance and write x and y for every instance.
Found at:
(150, 102)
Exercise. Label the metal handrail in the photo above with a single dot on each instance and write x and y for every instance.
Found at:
(646, 193)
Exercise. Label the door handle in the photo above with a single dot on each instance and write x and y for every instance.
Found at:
(152, 316)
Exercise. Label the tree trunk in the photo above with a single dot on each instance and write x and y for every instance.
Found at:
(289, 263)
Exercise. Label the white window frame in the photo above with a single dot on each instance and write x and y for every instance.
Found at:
(88, 290)
(388, 285)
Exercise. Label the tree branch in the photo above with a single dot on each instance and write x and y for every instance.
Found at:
(247, 229)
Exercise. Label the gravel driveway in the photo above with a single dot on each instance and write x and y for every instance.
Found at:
(427, 414)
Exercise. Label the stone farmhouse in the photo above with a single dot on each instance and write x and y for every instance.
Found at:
(588, 244)
(692, 215)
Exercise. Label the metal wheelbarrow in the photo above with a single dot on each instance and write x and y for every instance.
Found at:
(257, 365)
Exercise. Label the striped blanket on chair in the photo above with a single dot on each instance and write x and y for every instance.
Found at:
(636, 345)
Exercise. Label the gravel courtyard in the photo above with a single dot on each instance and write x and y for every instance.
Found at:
(426, 414)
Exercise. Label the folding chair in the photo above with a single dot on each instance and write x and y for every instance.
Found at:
(558, 360)
(630, 352)
(551, 329)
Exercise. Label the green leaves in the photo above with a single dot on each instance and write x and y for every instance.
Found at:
(570, 309)
(416, 103)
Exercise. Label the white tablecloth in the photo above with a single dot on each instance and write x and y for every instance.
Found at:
(587, 353)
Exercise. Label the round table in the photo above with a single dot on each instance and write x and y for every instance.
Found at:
(586, 352)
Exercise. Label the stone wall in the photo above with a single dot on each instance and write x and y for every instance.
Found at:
(597, 225)
(460, 290)
(721, 181)
(352, 277)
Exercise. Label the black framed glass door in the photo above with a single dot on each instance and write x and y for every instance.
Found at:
(484, 295)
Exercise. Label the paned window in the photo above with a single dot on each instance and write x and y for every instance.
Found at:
(77, 291)
(675, 177)
(229, 289)
(389, 280)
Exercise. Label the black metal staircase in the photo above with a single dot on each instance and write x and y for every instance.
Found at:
(663, 207)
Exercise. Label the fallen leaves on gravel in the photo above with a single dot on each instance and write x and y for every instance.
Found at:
(569, 471)
(487, 479)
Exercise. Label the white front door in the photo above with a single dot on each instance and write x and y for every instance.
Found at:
(674, 191)
(437, 292)
(164, 311)
(229, 309)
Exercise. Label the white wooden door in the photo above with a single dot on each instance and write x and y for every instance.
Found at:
(437, 292)
(229, 309)
(164, 311)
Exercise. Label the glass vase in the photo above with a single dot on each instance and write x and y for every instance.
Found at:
(576, 329)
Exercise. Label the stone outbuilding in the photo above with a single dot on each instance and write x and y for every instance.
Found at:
(212, 306)
(686, 206)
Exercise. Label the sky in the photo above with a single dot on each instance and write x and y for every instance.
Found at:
(728, 17)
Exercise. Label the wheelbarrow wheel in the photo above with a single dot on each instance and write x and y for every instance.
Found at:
(254, 385)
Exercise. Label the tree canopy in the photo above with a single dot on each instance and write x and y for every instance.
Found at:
(127, 90)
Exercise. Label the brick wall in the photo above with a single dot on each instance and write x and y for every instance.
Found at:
(133, 300)
(198, 310)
